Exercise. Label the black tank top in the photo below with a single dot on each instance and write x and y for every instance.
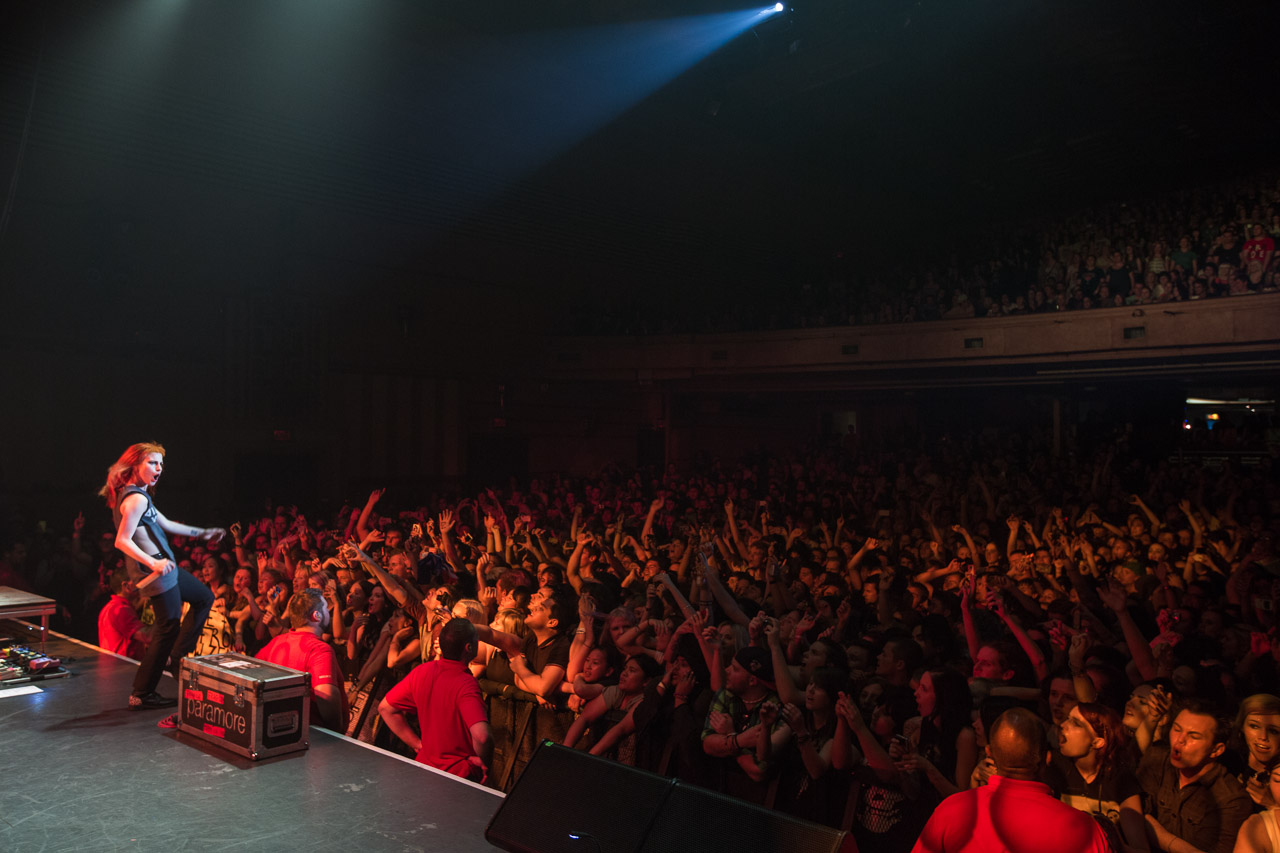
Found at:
(150, 520)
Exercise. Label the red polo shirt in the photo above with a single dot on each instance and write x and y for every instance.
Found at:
(301, 649)
(446, 697)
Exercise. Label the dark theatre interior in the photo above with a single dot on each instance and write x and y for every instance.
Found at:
(639, 425)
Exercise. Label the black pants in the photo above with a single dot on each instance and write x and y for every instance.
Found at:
(173, 636)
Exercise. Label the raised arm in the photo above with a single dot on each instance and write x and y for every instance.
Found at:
(654, 505)
(1029, 648)
(573, 571)
(362, 525)
(1015, 524)
(968, 540)
(1139, 650)
(1146, 510)
(447, 522)
(1197, 530)
(966, 612)
(508, 643)
(722, 596)
(390, 583)
(786, 686)
(733, 530)
(851, 726)
(335, 611)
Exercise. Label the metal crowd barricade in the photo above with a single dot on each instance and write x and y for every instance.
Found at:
(519, 723)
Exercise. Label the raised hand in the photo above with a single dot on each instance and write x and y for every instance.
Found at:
(696, 622)
(806, 623)
(1075, 654)
(1157, 705)
(447, 521)
(794, 718)
(847, 710)
(844, 610)
(375, 496)
(684, 686)
(1113, 595)
(721, 723)
(771, 632)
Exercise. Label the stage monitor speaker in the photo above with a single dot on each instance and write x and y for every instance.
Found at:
(694, 818)
(567, 801)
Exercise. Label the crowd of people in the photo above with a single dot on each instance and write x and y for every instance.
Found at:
(853, 636)
(1190, 245)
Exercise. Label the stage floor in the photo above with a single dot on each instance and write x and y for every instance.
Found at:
(78, 771)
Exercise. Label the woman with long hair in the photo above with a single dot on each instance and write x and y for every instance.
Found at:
(142, 536)
(1256, 738)
(366, 628)
(944, 747)
(808, 788)
(1092, 772)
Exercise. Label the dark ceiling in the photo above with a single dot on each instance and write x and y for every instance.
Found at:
(854, 126)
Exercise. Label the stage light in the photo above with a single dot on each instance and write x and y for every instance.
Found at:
(777, 7)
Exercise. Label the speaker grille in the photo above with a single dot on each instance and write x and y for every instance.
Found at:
(563, 791)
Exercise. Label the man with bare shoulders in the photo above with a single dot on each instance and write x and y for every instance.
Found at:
(1015, 812)
(141, 536)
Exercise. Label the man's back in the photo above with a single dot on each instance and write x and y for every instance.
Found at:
(303, 650)
(1009, 815)
(118, 627)
(447, 701)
